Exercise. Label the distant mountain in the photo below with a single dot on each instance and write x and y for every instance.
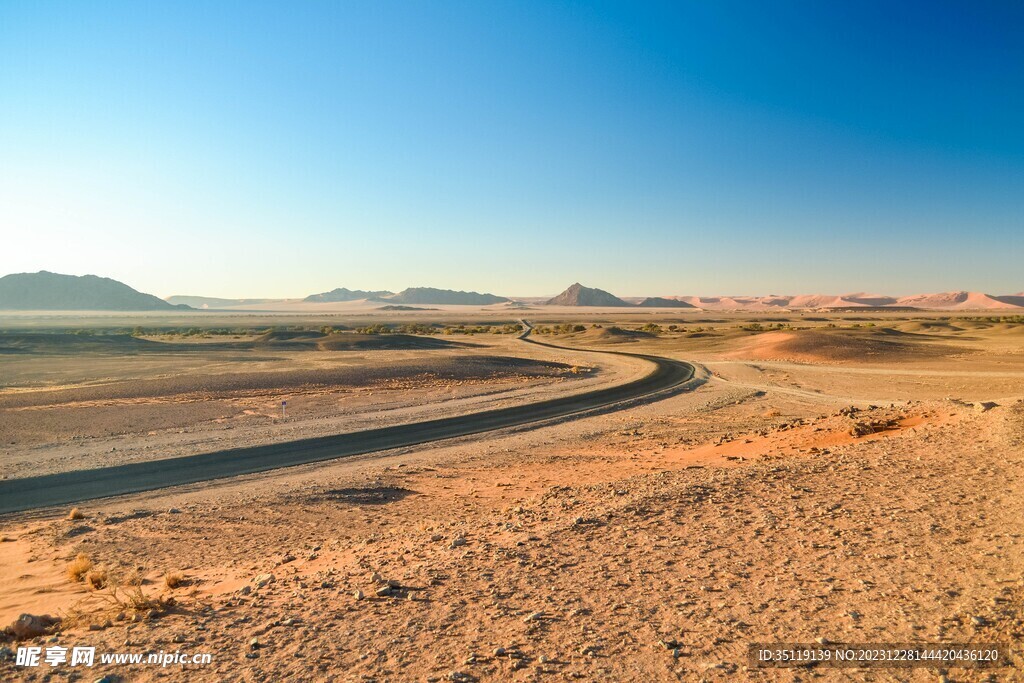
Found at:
(213, 302)
(866, 299)
(44, 291)
(578, 295)
(1012, 299)
(661, 302)
(343, 294)
(430, 295)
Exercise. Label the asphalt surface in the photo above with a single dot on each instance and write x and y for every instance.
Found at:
(18, 495)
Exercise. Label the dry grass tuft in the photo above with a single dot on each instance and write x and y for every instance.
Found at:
(79, 567)
(96, 580)
(75, 514)
(174, 579)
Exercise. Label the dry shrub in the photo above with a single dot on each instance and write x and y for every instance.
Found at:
(96, 580)
(75, 514)
(132, 598)
(79, 567)
(174, 579)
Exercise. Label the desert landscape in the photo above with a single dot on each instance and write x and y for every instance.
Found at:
(497, 342)
(827, 476)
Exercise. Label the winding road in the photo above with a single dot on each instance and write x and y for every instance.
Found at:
(18, 495)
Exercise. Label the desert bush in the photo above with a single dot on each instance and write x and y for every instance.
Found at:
(174, 579)
(79, 567)
(96, 579)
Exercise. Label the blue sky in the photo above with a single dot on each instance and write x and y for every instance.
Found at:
(280, 149)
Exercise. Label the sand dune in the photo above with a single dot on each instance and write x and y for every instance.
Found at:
(955, 301)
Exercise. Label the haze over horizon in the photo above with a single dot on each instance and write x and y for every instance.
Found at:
(251, 150)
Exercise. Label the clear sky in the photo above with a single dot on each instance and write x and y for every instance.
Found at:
(717, 147)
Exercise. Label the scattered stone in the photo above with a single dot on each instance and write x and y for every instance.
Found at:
(358, 595)
(31, 625)
(500, 652)
(254, 644)
(456, 542)
(985, 406)
(173, 511)
(264, 579)
(385, 592)
(533, 616)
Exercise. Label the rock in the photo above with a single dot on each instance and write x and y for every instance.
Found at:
(822, 641)
(245, 590)
(287, 558)
(385, 591)
(376, 578)
(436, 537)
(985, 406)
(254, 644)
(533, 616)
(179, 638)
(291, 621)
(173, 511)
(6, 654)
(456, 542)
(31, 625)
(358, 595)
(500, 652)
(543, 659)
(861, 429)
(264, 579)
(978, 621)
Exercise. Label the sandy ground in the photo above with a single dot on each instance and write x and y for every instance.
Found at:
(118, 408)
(789, 499)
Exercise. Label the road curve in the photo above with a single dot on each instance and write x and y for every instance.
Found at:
(18, 495)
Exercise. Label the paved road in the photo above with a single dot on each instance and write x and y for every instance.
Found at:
(18, 495)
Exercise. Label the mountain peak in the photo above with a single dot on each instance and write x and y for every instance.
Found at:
(578, 295)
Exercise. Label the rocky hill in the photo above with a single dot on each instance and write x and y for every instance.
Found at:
(578, 295)
(344, 294)
(430, 295)
(661, 302)
(45, 291)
